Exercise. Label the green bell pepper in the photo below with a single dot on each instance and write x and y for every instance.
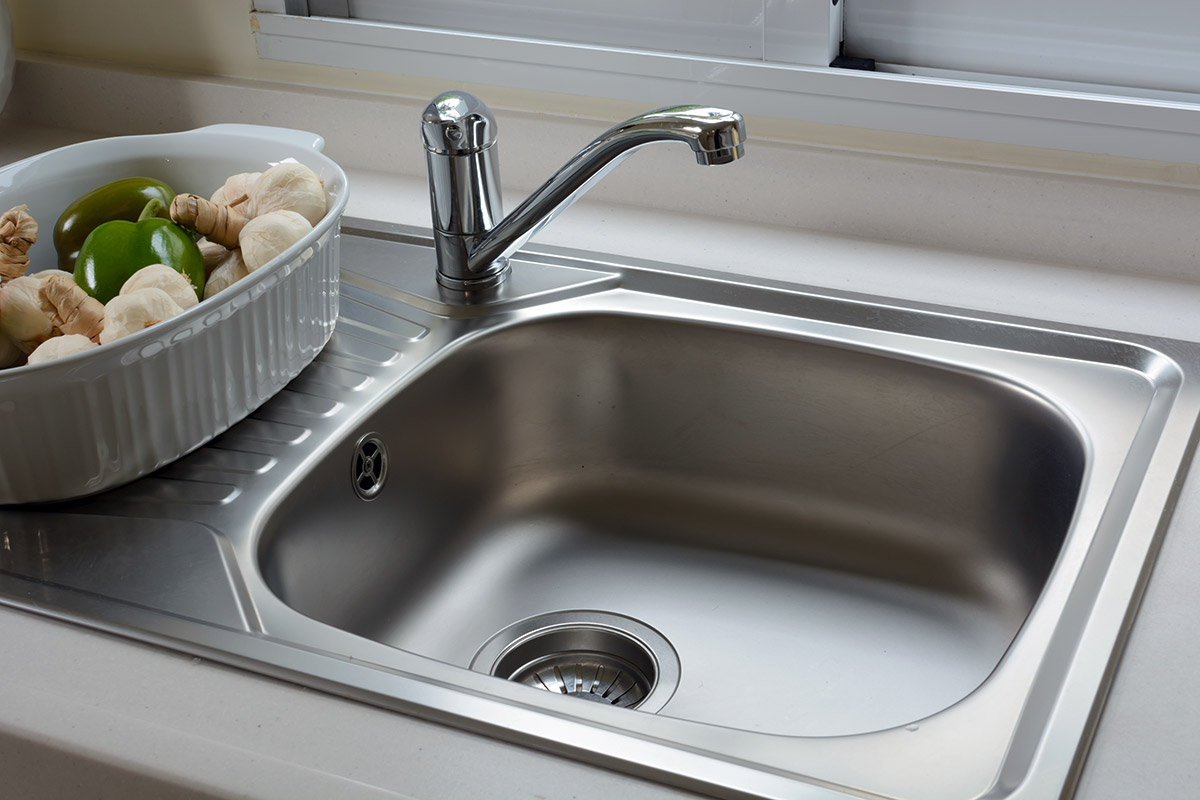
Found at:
(122, 199)
(115, 250)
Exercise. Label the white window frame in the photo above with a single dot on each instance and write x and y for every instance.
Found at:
(1088, 119)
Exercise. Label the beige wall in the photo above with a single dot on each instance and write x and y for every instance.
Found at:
(211, 37)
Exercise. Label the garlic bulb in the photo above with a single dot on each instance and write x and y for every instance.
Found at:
(61, 346)
(236, 191)
(227, 273)
(289, 186)
(170, 280)
(138, 310)
(266, 236)
(21, 315)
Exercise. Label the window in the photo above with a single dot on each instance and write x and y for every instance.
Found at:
(1099, 76)
(1145, 50)
(784, 31)
(730, 29)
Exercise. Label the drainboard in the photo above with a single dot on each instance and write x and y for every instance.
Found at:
(784, 544)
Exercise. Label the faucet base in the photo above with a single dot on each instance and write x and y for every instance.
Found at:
(494, 276)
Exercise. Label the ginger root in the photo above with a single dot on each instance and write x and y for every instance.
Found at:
(216, 222)
(18, 232)
(71, 309)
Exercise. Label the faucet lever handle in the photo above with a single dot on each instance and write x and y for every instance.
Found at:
(457, 123)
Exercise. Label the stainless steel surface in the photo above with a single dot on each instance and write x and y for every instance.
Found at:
(459, 133)
(895, 548)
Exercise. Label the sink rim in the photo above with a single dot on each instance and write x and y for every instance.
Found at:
(1035, 766)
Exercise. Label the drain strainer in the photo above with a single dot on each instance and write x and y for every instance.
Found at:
(592, 655)
(369, 469)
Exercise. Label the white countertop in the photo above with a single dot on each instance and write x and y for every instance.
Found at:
(86, 714)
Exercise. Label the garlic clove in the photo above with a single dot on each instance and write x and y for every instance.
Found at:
(61, 346)
(266, 236)
(138, 310)
(289, 186)
(227, 273)
(21, 316)
(170, 280)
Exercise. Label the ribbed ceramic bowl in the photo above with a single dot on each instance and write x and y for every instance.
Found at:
(93, 421)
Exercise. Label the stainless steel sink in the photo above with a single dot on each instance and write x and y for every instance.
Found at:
(797, 545)
(871, 529)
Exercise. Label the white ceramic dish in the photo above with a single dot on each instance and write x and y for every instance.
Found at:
(93, 421)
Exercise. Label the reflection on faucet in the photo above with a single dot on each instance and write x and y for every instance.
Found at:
(459, 134)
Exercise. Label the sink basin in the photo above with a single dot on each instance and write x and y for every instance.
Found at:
(871, 529)
(791, 544)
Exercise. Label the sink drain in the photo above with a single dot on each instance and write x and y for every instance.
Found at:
(592, 655)
(369, 468)
(582, 664)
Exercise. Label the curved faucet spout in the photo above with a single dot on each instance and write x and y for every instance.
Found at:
(715, 135)
(462, 192)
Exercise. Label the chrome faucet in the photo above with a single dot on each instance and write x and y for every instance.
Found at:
(459, 133)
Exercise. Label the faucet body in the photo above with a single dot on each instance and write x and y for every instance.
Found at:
(471, 240)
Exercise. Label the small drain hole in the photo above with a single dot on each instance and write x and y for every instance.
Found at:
(369, 468)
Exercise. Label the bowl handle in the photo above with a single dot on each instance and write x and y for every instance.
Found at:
(291, 136)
